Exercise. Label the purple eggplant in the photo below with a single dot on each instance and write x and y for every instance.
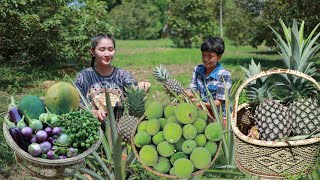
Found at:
(14, 113)
(27, 132)
(41, 136)
(45, 146)
(50, 155)
(34, 149)
(16, 135)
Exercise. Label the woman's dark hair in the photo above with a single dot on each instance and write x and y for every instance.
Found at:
(96, 39)
(213, 44)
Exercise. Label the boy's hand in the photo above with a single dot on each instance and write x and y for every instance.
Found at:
(99, 114)
(144, 85)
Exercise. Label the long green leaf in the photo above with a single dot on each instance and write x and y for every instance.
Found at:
(102, 164)
(286, 31)
(308, 47)
(91, 173)
(312, 32)
(301, 30)
(106, 147)
(79, 176)
(117, 158)
(229, 128)
(112, 122)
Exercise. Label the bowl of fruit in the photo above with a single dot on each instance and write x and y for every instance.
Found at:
(176, 140)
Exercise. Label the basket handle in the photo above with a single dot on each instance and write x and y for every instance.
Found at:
(267, 73)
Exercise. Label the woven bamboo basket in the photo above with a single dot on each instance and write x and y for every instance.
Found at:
(46, 168)
(150, 169)
(271, 158)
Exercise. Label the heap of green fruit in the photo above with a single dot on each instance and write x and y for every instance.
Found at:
(176, 140)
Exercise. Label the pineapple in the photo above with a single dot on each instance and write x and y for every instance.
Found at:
(126, 125)
(306, 116)
(298, 54)
(170, 85)
(134, 104)
(272, 120)
(271, 123)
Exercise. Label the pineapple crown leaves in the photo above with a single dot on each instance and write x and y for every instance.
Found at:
(260, 94)
(258, 89)
(135, 99)
(296, 51)
(254, 69)
(161, 73)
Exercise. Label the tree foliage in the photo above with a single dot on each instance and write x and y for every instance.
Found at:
(136, 19)
(190, 21)
(49, 31)
(248, 21)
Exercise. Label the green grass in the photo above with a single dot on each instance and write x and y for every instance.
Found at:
(139, 57)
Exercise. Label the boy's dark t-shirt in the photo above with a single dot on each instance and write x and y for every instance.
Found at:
(91, 84)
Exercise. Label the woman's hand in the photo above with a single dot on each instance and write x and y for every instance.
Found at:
(144, 85)
(99, 114)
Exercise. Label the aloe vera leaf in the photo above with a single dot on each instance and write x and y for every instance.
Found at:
(112, 122)
(91, 173)
(106, 147)
(117, 158)
(102, 164)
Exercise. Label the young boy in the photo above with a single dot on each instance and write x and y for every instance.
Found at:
(211, 74)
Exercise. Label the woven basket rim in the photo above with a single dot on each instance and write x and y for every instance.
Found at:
(135, 151)
(47, 162)
(237, 108)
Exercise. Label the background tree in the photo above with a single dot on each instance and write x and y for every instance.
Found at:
(49, 31)
(248, 21)
(30, 31)
(84, 19)
(190, 21)
(136, 19)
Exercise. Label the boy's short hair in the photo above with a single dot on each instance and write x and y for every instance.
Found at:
(213, 44)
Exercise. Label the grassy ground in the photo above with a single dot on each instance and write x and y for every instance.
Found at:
(139, 57)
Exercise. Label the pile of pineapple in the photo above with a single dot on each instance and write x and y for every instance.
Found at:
(297, 112)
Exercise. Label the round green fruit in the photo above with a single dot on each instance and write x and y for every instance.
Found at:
(176, 156)
(201, 140)
(202, 115)
(173, 119)
(163, 165)
(142, 138)
(189, 131)
(148, 155)
(163, 123)
(153, 126)
(212, 147)
(200, 125)
(188, 146)
(165, 149)
(32, 106)
(200, 157)
(186, 113)
(183, 168)
(61, 98)
(142, 126)
(154, 110)
(169, 111)
(214, 132)
(158, 138)
(172, 132)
